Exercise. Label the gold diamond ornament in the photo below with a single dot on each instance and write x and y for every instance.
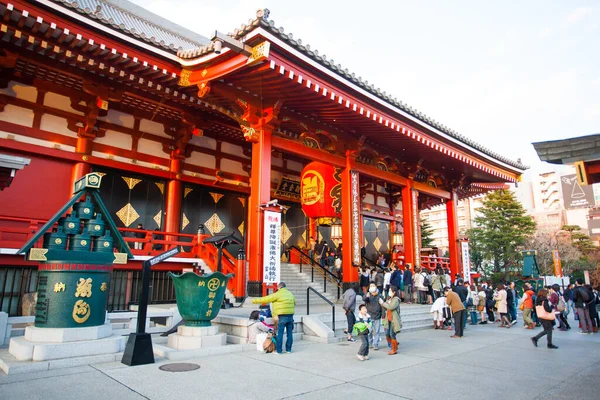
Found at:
(377, 244)
(160, 186)
(286, 234)
(127, 215)
(158, 218)
(241, 228)
(214, 224)
(184, 221)
(131, 182)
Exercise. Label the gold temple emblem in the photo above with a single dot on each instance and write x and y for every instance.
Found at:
(58, 241)
(36, 254)
(259, 52)
(213, 284)
(97, 227)
(120, 258)
(84, 242)
(59, 287)
(184, 78)
(81, 311)
(103, 286)
(84, 288)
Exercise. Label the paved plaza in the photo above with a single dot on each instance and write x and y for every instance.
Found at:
(488, 363)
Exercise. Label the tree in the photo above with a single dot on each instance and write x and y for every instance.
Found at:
(542, 242)
(475, 251)
(585, 253)
(426, 234)
(502, 228)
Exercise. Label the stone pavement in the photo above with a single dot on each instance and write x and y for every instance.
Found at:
(488, 363)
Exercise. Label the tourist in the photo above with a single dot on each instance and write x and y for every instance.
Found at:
(157, 235)
(437, 310)
(447, 278)
(558, 305)
(391, 318)
(546, 316)
(256, 326)
(284, 304)
(458, 280)
(592, 308)
(138, 245)
(458, 309)
(512, 300)
(374, 309)
(361, 328)
(489, 304)
(349, 307)
(364, 279)
(582, 297)
(438, 283)
(461, 290)
(568, 296)
(408, 284)
(387, 276)
(381, 261)
(338, 266)
(481, 305)
(472, 303)
(312, 243)
(418, 281)
(502, 305)
(395, 277)
(379, 279)
(528, 307)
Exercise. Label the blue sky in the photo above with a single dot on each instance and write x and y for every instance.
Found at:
(506, 74)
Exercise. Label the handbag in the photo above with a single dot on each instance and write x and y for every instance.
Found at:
(522, 306)
(269, 343)
(543, 314)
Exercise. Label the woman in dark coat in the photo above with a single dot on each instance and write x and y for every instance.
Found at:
(546, 318)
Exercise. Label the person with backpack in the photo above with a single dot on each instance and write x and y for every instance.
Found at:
(472, 303)
(558, 303)
(568, 296)
(489, 304)
(481, 305)
(527, 307)
(419, 286)
(407, 278)
(361, 328)
(593, 309)
(582, 298)
(349, 307)
(428, 292)
(375, 311)
(461, 290)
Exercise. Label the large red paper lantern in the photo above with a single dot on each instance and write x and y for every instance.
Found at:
(321, 192)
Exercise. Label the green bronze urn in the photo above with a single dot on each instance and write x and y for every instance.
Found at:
(199, 298)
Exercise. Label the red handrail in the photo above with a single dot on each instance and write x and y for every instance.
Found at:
(15, 231)
(432, 263)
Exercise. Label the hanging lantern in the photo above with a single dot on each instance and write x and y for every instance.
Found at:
(321, 193)
(397, 239)
(336, 232)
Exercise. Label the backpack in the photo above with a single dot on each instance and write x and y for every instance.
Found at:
(426, 281)
(561, 304)
(585, 295)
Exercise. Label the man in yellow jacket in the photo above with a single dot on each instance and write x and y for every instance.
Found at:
(284, 305)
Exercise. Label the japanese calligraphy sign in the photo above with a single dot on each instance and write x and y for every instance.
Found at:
(355, 189)
(415, 221)
(288, 187)
(272, 247)
(466, 260)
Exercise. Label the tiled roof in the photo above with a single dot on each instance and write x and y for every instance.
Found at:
(137, 22)
(262, 20)
(556, 151)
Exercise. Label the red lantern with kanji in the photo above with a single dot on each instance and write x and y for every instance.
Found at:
(321, 192)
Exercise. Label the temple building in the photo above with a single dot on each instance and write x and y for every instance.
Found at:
(197, 136)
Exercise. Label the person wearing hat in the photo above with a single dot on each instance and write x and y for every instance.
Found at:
(374, 309)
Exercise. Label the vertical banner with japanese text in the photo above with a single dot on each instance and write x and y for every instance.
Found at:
(466, 260)
(415, 221)
(356, 242)
(272, 247)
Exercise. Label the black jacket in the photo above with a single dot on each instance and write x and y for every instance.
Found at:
(580, 301)
(373, 306)
(395, 278)
(462, 292)
(510, 299)
(407, 277)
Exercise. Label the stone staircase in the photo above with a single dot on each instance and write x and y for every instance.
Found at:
(414, 318)
(297, 282)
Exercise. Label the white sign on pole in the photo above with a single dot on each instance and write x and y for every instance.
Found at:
(272, 247)
(466, 261)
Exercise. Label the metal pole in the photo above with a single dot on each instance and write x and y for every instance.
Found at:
(333, 319)
(307, 301)
(143, 303)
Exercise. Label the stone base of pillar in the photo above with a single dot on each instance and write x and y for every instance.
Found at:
(254, 289)
(190, 342)
(50, 348)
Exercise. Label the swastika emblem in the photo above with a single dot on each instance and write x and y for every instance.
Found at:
(213, 284)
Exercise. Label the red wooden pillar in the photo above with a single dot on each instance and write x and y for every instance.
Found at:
(453, 241)
(173, 200)
(260, 193)
(312, 230)
(80, 169)
(407, 221)
(349, 269)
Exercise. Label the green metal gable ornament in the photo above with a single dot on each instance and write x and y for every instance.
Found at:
(76, 260)
(199, 298)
